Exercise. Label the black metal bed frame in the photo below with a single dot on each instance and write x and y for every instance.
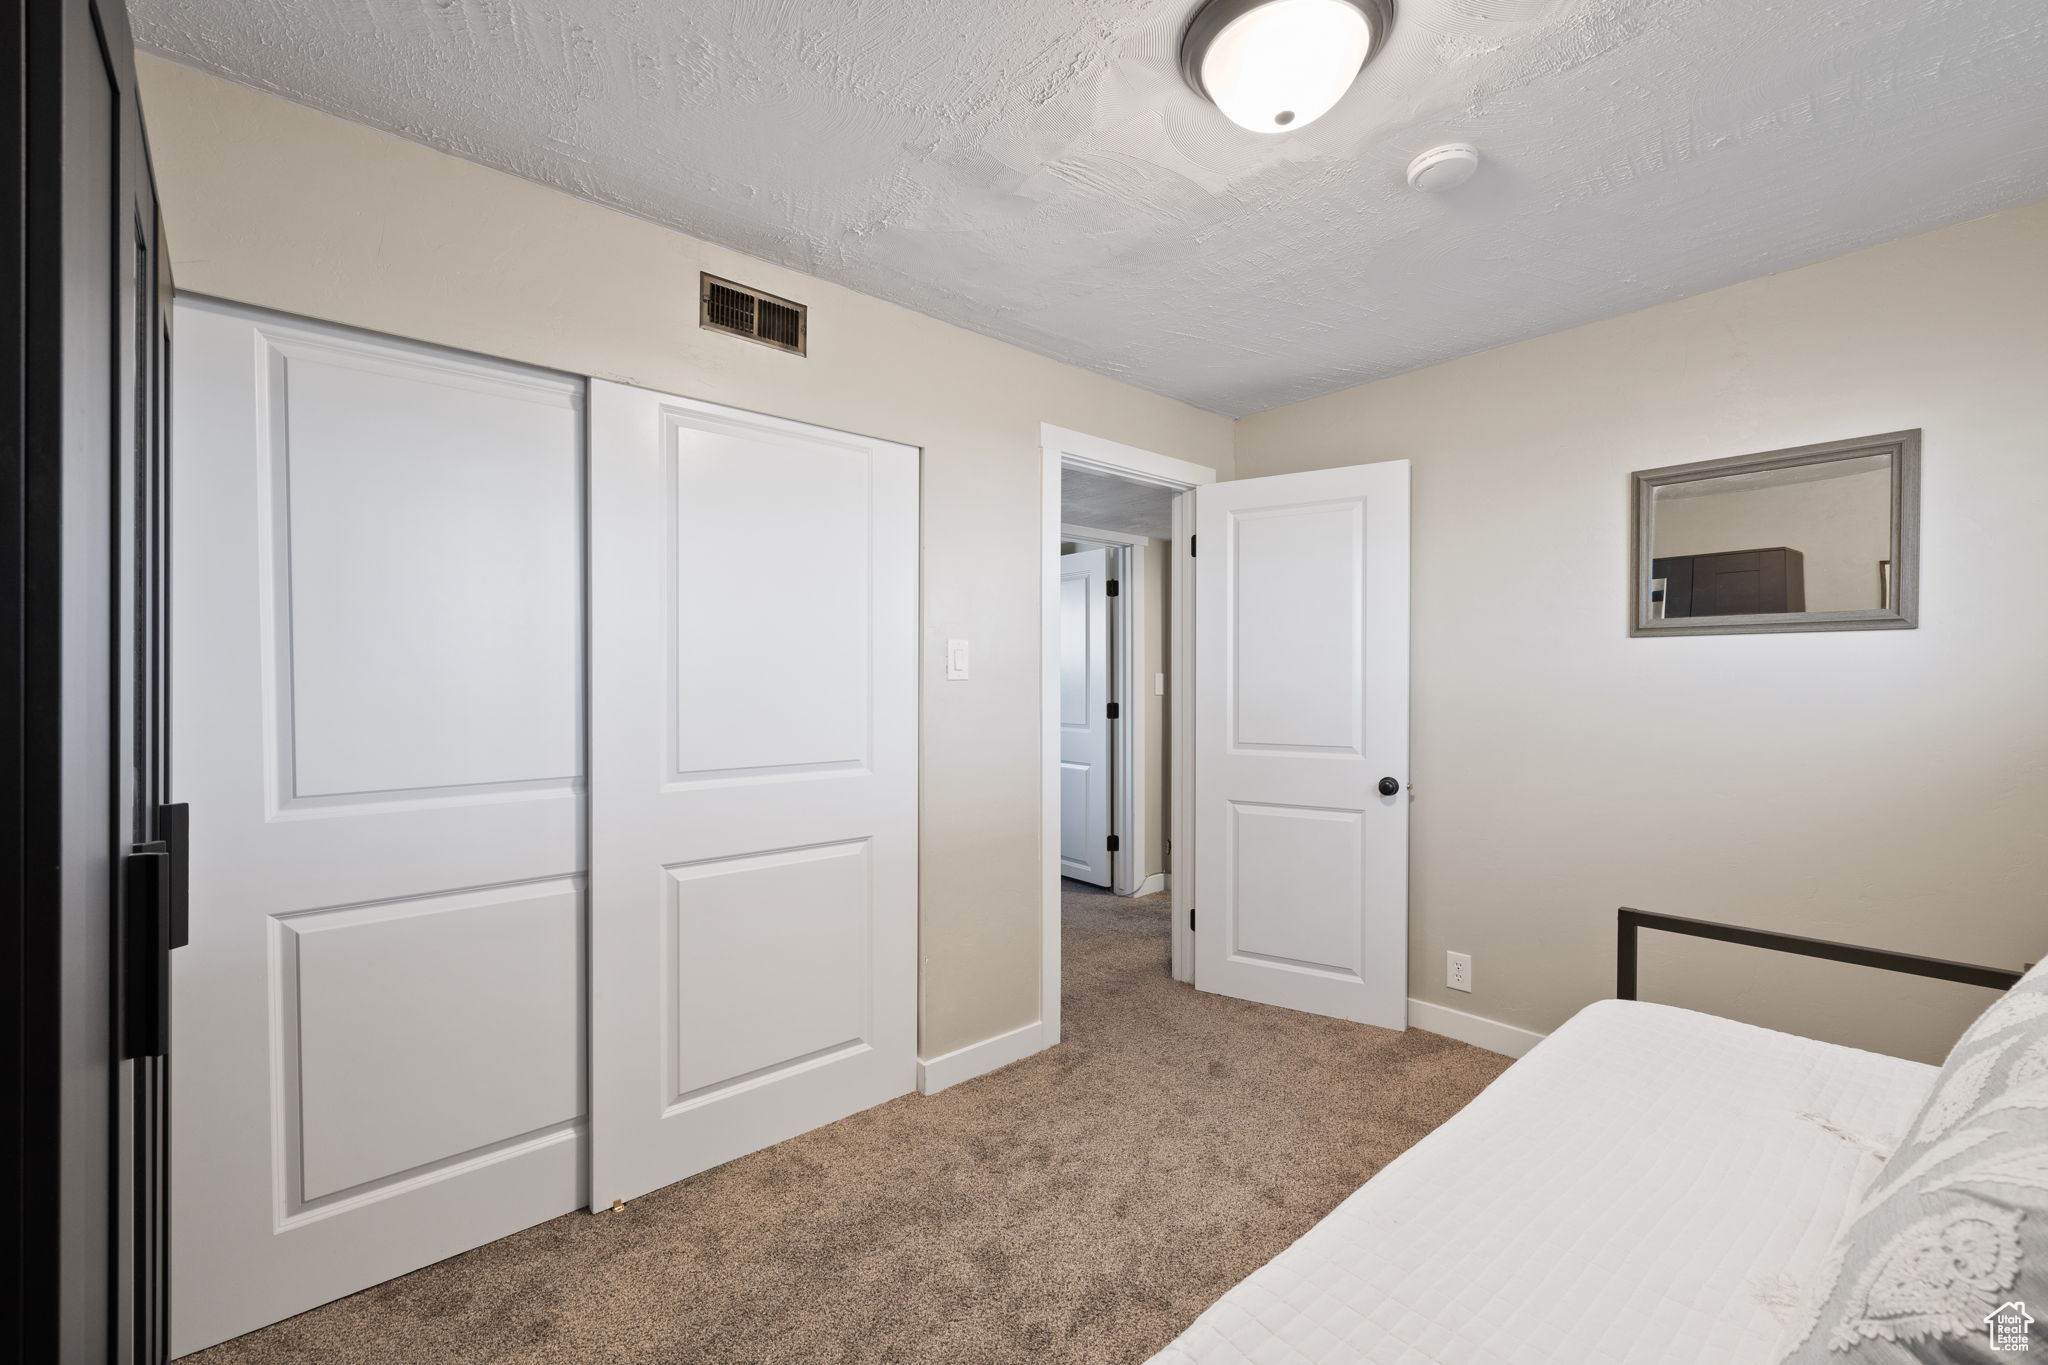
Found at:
(1629, 921)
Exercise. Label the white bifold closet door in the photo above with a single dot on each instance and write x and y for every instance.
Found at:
(378, 1023)
(1301, 741)
(1085, 728)
(753, 666)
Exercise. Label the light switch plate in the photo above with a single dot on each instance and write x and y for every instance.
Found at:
(956, 660)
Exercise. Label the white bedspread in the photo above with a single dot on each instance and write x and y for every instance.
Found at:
(1647, 1187)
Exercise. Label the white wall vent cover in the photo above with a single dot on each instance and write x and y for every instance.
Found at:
(723, 306)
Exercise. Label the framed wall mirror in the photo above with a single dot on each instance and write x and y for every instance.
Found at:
(1820, 537)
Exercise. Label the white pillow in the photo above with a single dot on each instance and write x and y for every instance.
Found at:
(1949, 1246)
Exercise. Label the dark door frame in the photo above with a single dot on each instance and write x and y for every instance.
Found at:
(84, 920)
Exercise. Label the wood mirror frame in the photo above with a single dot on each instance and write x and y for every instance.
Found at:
(1902, 614)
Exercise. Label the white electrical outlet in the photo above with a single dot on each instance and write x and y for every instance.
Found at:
(1458, 971)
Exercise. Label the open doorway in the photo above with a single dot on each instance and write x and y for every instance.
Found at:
(1116, 653)
(1114, 632)
(1115, 858)
(1116, 538)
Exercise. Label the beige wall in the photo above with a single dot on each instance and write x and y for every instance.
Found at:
(1885, 787)
(271, 204)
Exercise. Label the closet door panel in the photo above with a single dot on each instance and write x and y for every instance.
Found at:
(790, 921)
(377, 721)
(433, 1027)
(772, 615)
(433, 574)
(753, 752)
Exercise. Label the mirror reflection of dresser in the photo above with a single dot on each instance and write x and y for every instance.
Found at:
(1731, 583)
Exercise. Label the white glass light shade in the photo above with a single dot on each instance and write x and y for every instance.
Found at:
(1283, 64)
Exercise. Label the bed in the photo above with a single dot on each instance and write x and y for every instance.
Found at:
(1648, 1186)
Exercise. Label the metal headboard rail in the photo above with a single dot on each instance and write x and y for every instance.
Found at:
(1629, 921)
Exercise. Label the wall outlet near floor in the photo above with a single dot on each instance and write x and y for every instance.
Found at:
(1458, 971)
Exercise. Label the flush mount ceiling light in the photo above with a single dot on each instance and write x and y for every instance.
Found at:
(1276, 65)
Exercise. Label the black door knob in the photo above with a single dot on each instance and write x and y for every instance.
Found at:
(1389, 787)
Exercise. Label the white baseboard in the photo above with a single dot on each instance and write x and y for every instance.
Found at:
(1153, 884)
(978, 1059)
(1490, 1034)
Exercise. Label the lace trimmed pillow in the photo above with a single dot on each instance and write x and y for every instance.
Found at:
(1949, 1246)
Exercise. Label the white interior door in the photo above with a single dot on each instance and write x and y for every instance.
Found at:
(753, 761)
(1301, 711)
(376, 666)
(1085, 729)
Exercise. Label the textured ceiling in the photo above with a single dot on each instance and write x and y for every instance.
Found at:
(1103, 502)
(1035, 169)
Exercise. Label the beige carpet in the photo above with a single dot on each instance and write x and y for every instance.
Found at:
(1081, 1206)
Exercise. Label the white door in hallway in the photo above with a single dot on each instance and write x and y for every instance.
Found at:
(1085, 726)
(377, 719)
(1301, 741)
(753, 770)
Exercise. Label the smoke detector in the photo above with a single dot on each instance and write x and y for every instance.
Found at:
(1443, 168)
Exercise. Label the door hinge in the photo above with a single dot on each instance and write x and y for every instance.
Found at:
(1191, 919)
(1113, 589)
(1191, 547)
(1115, 844)
(1116, 711)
